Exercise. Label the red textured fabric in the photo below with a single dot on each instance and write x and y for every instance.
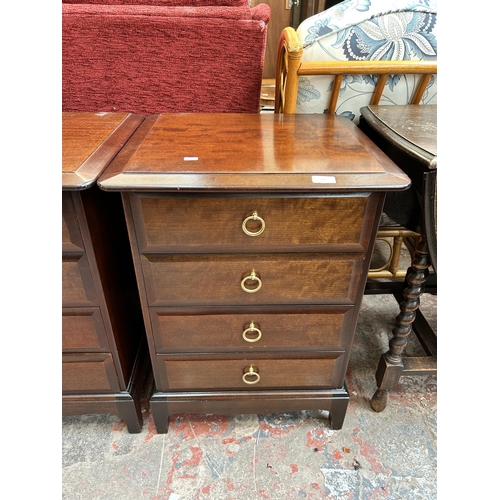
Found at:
(261, 12)
(140, 60)
(165, 3)
(138, 11)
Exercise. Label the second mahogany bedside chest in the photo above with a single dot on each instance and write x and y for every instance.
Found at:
(104, 352)
(252, 237)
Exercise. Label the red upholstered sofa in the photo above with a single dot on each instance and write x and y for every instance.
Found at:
(166, 3)
(162, 56)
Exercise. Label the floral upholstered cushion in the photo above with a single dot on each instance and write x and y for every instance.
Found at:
(367, 30)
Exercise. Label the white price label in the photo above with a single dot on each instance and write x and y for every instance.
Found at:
(324, 179)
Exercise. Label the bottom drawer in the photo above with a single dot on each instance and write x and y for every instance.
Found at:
(89, 374)
(248, 373)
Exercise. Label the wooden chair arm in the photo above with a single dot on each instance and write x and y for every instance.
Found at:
(367, 67)
(288, 62)
(290, 67)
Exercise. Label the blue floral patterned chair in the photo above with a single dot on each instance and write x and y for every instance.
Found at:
(360, 31)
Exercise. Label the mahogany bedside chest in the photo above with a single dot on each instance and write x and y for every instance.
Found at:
(103, 362)
(252, 237)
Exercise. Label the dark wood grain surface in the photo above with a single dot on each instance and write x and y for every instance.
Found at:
(189, 223)
(103, 364)
(252, 329)
(241, 151)
(408, 134)
(89, 142)
(189, 182)
(412, 129)
(286, 279)
(227, 373)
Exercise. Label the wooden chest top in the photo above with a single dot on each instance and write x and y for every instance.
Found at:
(89, 142)
(251, 152)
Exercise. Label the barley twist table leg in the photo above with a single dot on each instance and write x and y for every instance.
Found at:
(391, 364)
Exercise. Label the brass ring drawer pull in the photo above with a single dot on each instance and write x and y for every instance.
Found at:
(251, 376)
(252, 329)
(254, 216)
(252, 277)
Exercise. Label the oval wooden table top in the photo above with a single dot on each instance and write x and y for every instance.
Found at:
(412, 128)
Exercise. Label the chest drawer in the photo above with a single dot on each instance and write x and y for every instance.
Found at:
(257, 329)
(235, 374)
(252, 279)
(83, 330)
(71, 235)
(78, 289)
(207, 224)
(84, 373)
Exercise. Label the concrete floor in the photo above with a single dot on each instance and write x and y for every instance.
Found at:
(387, 455)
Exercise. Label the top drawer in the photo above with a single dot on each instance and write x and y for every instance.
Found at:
(204, 224)
(71, 235)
